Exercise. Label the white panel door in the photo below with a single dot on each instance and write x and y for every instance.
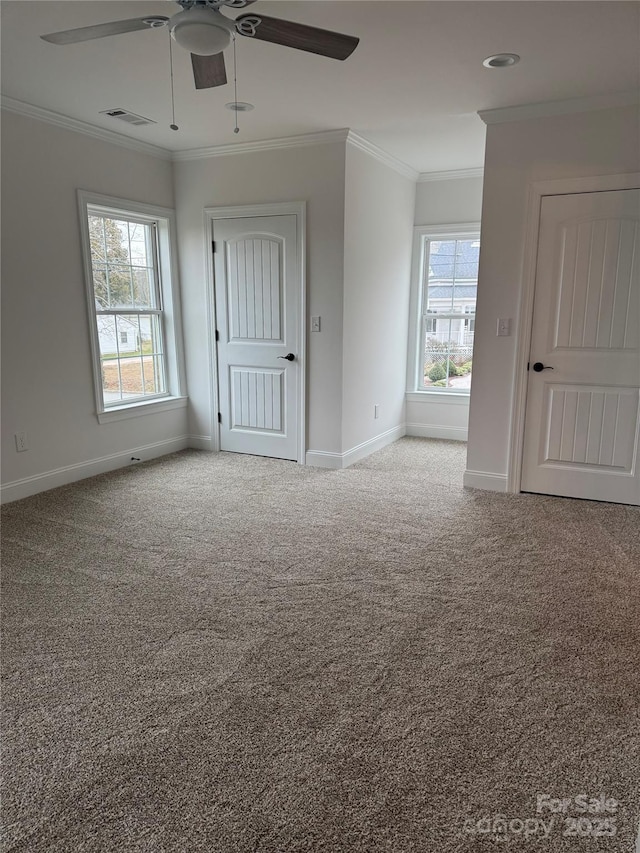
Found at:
(257, 286)
(582, 421)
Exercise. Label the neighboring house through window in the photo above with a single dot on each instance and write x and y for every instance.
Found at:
(470, 323)
(133, 306)
(444, 303)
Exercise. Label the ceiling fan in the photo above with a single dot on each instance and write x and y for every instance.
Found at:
(205, 32)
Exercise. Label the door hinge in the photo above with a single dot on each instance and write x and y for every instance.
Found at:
(217, 335)
(219, 418)
(213, 246)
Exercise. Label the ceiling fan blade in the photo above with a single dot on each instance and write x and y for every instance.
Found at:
(208, 71)
(98, 31)
(302, 37)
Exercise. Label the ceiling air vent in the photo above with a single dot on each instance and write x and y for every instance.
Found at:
(125, 115)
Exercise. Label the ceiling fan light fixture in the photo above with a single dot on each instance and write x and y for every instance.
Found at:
(501, 60)
(204, 32)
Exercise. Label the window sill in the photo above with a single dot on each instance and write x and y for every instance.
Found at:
(457, 398)
(138, 409)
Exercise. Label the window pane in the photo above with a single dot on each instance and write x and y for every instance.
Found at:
(131, 356)
(452, 275)
(447, 364)
(140, 248)
(119, 284)
(442, 257)
(154, 374)
(96, 238)
(100, 286)
(122, 258)
(143, 288)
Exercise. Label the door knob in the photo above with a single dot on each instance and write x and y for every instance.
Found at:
(539, 367)
(289, 356)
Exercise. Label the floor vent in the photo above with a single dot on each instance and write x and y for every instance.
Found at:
(125, 115)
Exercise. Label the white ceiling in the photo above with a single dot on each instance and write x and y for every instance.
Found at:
(412, 87)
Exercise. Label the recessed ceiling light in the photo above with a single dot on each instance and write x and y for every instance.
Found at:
(239, 106)
(501, 60)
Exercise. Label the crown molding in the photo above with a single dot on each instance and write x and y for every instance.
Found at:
(557, 108)
(320, 138)
(451, 175)
(381, 155)
(41, 114)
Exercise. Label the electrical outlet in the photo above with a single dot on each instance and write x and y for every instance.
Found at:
(376, 410)
(21, 442)
(315, 324)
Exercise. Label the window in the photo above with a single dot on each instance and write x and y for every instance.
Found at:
(470, 323)
(132, 306)
(126, 291)
(446, 303)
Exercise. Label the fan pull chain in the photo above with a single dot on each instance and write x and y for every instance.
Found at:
(236, 129)
(173, 125)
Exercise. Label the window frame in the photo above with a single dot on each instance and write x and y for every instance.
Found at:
(168, 309)
(415, 366)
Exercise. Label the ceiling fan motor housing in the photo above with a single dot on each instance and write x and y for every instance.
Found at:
(201, 30)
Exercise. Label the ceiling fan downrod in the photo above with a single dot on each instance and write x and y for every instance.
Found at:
(173, 125)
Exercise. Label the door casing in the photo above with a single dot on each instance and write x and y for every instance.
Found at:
(211, 214)
(599, 183)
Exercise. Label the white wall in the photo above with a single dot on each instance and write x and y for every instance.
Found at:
(517, 154)
(443, 202)
(47, 387)
(360, 214)
(438, 416)
(314, 174)
(379, 206)
(448, 201)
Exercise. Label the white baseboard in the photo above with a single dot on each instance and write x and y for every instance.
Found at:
(337, 461)
(23, 488)
(360, 451)
(200, 442)
(485, 480)
(323, 459)
(434, 431)
(70, 473)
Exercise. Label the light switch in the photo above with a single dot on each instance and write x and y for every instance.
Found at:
(315, 324)
(504, 327)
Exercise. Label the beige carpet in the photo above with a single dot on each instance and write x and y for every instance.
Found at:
(231, 654)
